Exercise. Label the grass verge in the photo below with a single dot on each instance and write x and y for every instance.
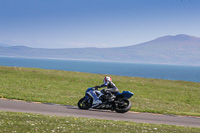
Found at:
(27, 122)
(63, 87)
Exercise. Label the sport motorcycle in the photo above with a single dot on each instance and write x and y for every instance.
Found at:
(118, 103)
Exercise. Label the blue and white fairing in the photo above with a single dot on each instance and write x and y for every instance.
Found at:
(95, 94)
(91, 92)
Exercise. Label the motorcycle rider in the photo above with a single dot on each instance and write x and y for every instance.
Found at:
(111, 89)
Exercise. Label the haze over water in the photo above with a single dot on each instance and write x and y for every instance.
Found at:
(157, 71)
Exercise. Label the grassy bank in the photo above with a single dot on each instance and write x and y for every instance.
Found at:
(26, 122)
(61, 87)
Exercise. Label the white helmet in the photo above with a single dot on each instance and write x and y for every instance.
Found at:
(107, 79)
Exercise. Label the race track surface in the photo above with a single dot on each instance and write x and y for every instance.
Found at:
(67, 110)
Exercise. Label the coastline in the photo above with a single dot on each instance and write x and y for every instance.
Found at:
(112, 61)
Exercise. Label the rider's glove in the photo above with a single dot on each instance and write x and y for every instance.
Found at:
(96, 87)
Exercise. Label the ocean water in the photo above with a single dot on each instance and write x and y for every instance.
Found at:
(156, 71)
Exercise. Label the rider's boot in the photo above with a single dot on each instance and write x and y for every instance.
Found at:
(111, 97)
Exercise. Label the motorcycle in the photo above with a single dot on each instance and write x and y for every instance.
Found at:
(118, 103)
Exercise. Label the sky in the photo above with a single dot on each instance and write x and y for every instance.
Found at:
(95, 23)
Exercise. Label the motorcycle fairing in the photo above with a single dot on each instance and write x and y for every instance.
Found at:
(93, 94)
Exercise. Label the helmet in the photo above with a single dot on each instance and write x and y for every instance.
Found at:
(107, 79)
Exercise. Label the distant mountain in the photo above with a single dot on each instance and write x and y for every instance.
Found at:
(179, 49)
(4, 45)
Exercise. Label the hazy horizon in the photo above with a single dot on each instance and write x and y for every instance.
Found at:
(2, 44)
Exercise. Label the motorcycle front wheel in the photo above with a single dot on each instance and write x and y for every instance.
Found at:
(84, 104)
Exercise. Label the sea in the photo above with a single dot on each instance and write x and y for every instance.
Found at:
(155, 71)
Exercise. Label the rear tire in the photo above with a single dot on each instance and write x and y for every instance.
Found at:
(124, 106)
(82, 104)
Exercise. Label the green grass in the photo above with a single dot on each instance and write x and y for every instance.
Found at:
(26, 122)
(62, 87)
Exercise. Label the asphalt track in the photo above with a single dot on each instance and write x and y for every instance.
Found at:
(67, 110)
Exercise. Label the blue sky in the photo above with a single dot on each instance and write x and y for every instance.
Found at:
(95, 23)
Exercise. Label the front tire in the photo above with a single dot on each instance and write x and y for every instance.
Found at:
(84, 104)
(123, 106)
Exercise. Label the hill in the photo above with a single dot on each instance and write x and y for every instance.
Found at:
(179, 49)
(4, 45)
(65, 87)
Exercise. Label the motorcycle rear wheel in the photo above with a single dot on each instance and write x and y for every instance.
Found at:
(123, 106)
